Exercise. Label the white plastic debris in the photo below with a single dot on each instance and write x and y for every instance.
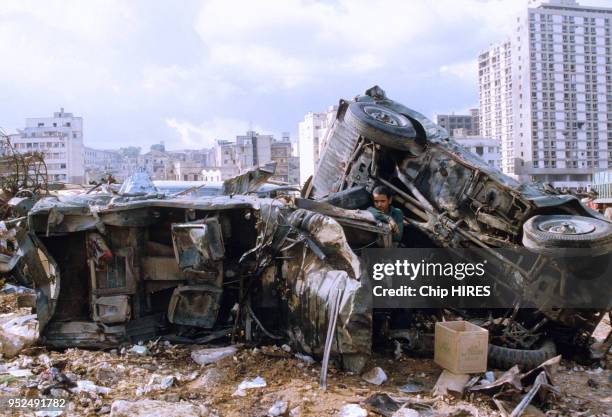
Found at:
(352, 410)
(206, 356)
(88, 386)
(166, 382)
(17, 333)
(305, 358)
(375, 376)
(20, 373)
(279, 408)
(154, 408)
(406, 412)
(139, 350)
(257, 382)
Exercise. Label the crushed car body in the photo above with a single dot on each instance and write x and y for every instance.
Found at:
(450, 198)
(111, 269)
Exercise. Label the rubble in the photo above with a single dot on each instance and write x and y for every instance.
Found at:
(212, 355)
(247, 384)
(406, 412)
(17, 333)
(352, 410)
(375, 376)
(279, 408)
(154, 408)
(450, 383)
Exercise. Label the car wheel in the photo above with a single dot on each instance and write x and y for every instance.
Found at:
(385, 127)
(505, 358)
(548, 234)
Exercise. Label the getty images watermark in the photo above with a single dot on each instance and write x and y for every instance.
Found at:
(496, 278)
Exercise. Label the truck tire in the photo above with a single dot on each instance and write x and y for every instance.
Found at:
(547, 234)
(505, 358)
(385, 127)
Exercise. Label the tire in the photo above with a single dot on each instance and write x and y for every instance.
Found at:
(505, 358)
(385, 127)
(548, 234)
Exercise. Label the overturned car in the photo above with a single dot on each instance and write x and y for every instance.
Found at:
(112, 269)
(452, 199)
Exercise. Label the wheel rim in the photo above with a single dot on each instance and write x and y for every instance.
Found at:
(567, 227)
(385, 116)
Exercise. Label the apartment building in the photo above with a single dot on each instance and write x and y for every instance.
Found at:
(253, 149)
(495, 99)
(467, 122)
(60, 139)
(488, 149)
(311, 136)
(561, 94)
(101, 162)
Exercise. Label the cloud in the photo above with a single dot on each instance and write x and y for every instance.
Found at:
(205, 134)
(294, 43)
(146, 69)
(466, 70)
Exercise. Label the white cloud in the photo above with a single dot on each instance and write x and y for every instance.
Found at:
(205, 134)
(465, 70)
(287, 44)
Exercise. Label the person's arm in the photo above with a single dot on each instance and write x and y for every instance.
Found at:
(379, 215)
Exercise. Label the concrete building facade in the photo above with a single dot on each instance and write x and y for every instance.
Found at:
(311, 136)
(561, 83)
(253, 149)
(495, 98)
(99, 163)
(467, 122)
(488, 149)
(60, 139)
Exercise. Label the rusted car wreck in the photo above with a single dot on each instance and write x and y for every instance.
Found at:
(111, 269)
(116, 268)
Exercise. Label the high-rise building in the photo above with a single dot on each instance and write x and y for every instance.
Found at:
(495, 97)
(561, 83)
(311, 134)
(60, 139)
(467, 122)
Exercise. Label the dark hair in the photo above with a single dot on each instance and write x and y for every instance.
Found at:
(382, 190)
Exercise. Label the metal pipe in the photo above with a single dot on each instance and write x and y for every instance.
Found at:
(333, 317)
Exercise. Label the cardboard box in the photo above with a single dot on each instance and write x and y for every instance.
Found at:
(461, 347)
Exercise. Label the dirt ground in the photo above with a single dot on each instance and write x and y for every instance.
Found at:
(129, 376)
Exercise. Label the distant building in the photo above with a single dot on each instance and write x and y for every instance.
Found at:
(311, 135)
(488, 149)
(100, 163)
(60, 139)
(212, 175)
(254, 149)
(468, 122)
(286, 170)
(547, 94)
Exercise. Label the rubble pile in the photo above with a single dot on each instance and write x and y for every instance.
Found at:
(270, 381)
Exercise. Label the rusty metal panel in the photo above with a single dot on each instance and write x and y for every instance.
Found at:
(195, 305)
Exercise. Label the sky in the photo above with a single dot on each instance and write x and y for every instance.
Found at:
(190, 72)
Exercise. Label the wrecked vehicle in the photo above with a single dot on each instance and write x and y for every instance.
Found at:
(452, 199)
(111, 269)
